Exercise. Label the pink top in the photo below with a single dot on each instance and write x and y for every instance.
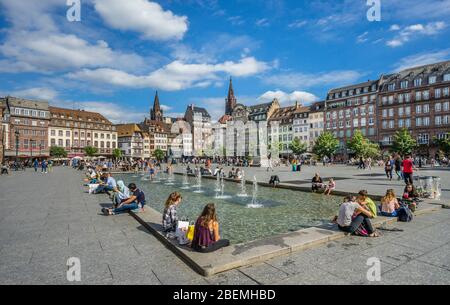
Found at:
(389, 207)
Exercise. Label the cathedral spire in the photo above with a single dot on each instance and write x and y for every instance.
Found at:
(231, 99)
(156, 113)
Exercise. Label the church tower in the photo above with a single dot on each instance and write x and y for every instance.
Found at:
(230, 101)
(156, 113)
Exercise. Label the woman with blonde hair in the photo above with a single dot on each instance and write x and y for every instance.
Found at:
(170, 219)
(206, 232)
(389, 204)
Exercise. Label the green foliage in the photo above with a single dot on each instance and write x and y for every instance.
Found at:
(298, 147)
(362, 147)
(58, 152)
(326, 145)
(159, 154)
(117, 153)
(90, 151)
(404, 143)
(444, 144)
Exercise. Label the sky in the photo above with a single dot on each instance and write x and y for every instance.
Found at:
(121, 52)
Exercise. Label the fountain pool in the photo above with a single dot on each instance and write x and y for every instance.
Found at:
(277, 210)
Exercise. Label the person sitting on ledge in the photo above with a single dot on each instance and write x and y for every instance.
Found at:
(330, 187)
(110, 185)
(410, 197)
(170, 219)
(389, 204)
(122, 194)
(367, 203)
(206, 232)
(317, 183)
(136, 201)
(354, 219)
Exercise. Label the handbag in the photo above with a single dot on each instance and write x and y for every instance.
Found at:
(190, 232)
(180, 233)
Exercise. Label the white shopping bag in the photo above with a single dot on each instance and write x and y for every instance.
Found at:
(92, 188)
(182, 228)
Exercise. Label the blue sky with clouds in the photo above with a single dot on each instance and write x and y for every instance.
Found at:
(122, 51)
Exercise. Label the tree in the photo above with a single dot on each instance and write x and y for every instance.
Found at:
(404, 143)
(298, 147)
(90, 151)
(362, 147)
(117, 153)
(159, 154)
(326, 145)
(444, 144)
(58, 152)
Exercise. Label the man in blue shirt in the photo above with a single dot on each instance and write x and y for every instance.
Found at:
(136, 201)
(109, 186)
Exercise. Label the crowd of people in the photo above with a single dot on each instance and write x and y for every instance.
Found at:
(205, 237)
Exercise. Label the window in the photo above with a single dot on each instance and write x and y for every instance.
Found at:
(418, 122)
(437, 93)
(447, 77)
(437, 107)
(355, 123)
(438, 120)
(419, 109)
(401, 123)
(445, 91)
(391, 124)
(408, 111)
(384, 100)
(418, 96)
(407, 97)
(404, 84)
(400, 98)
(60, 142)
(426, 121)
(432, 79)
(426, 95)
(370, 109)
(418, 82)
(52, 132)
(67, 143)
(408, 123)
(371, 121)
(391, 100)
(67, 133)
(446, 106)
(423, 139)
(363, 122)
(391, 87)
(426, 108)
(400, 111)
(385, 124)
(385, 113)
(60, 133)
(391, 112)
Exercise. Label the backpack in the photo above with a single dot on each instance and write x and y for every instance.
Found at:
(405, 214)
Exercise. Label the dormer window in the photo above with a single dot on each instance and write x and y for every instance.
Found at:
(447, 77)
(404, 84)
(391, 87)
(432, 80)
(418, 82)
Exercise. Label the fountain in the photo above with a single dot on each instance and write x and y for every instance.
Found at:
(171, 179)
(221, 190)
(185, 181)
(218, 184)
(243, 192)
(199, 183)
(255, 204)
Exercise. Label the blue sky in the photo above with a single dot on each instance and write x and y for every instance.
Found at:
(114, 59)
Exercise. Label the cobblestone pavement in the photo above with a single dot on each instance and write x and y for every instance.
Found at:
(46, 219)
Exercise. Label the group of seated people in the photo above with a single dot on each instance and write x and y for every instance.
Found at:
(206, 237)
(356, 212)
(318, 185)
(235, 174)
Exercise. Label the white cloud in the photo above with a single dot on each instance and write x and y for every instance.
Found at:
(174, 76)
(39, 93)
(302, 80)
(114, 112)
(145, 17)
(262, 22)
(236, 20)
(362, 38)
(286, 99)
(394, 27)
(422, 59)
(407, 33)
(297, 24)
(47, 52)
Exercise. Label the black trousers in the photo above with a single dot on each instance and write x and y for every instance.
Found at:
(215, 246)
(408, 178)
(360, 219)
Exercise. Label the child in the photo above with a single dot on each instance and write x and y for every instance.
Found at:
(330, 187)
(367, 203)
(170, 218)
(389, 204)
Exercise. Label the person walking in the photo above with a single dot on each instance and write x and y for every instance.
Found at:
(398, 168)
(408, 170)
(36, 165)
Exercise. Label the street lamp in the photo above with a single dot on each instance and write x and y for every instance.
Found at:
(31, 149)
(17, 133)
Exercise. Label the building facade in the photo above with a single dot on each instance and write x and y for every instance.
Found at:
(130, 141)
(26, 134)
(74, 130)
(201, 129)
(352, 108)
(417, 99)
(316, 122)
(3, 129)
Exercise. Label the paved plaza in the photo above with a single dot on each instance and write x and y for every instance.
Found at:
(47, 219)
